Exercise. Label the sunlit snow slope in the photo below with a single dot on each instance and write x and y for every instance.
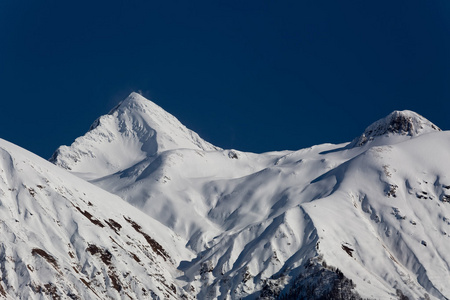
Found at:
(63, 238)
(368, 219)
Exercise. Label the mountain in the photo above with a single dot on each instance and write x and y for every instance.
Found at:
(63, 238)
(134, 130)
(396, 124)
(364, 219)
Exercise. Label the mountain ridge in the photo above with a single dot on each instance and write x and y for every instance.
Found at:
(329, 221)
(215, 211)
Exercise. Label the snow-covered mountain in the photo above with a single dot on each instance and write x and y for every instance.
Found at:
(63, 238)
(134, 130)
(365, 219)
(396, 124)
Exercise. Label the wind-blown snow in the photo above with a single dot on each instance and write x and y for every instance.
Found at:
(369, 218)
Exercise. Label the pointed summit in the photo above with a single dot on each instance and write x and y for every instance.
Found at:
(134, 102)
(400, 123)
(134, 99)
(134, 130)
(137, 102)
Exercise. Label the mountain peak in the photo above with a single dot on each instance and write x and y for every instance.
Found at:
(134, 130)
(137, 103)
(135, 97)
(135, 100)
(400, 123)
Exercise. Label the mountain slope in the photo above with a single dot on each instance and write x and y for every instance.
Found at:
(362, 219)
(63, 238)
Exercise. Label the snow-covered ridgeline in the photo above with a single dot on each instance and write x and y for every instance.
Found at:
(367, 218)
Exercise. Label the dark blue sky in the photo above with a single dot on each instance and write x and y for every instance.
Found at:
(250, 75)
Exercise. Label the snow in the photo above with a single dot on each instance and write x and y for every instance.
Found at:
(398, 123)
(49, 220)
(236, 224)
(134, 130)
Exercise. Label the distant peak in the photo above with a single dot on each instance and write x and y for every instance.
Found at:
(405, 122)
(134, 100)
(136, 129)
(135, 95)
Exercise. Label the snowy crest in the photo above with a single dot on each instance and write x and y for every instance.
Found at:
(317, 223)
(133, 131)
(401, 123)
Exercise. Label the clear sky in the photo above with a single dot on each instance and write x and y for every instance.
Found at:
(251, 75)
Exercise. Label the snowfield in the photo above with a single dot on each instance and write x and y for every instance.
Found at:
(141, 207)
(63, 238)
